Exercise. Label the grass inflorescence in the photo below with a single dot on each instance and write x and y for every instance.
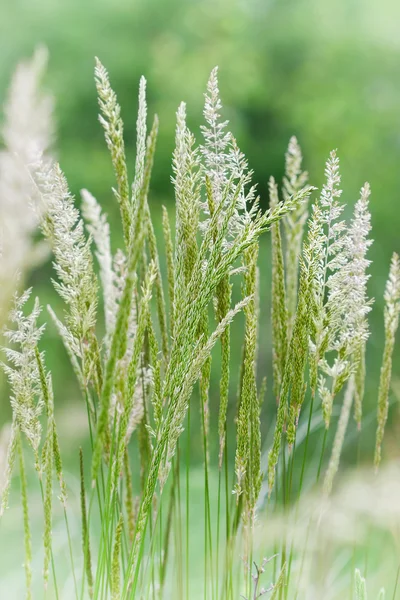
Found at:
(146, 377)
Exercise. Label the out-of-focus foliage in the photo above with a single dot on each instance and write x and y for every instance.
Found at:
(326, 72)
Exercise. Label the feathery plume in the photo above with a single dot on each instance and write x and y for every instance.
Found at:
(22, 371)
(26, 135)
(323, 247)
(99, 229)
(141, 130)
(77, 282)
(110, 119)
(294, 223)
(186, 180)
(224, 165)
(392, 311)
(347, 304)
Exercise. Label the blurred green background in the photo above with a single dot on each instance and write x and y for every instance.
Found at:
(326, 72)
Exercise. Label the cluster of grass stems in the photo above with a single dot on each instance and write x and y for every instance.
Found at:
(145, 377)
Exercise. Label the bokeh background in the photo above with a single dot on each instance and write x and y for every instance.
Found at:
(327, 72)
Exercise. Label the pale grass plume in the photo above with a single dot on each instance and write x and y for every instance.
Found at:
(22, 371)
(141, 132)
(391, 319)
(333, 251)
(293, 223)
(73, 263)
(347, 303)
(110, 119)
(27, 133)
(99, 230)
(225, 165)
(186, 179)
(323, 245)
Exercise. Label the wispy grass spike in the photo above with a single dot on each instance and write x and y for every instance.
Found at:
(294, 223)
(111, 120)
(99, 229)
(392, 311)
(279, 313)
(22, 371)
(141, 133)
(73, 262)
(26, 135)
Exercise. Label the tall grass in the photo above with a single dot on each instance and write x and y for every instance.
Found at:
(137, 380)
